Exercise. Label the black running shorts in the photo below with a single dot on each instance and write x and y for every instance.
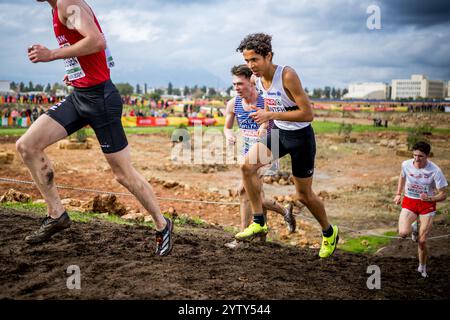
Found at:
(299, 144)
(100, 107)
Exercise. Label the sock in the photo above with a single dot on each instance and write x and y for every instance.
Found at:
(422, 268)
(259, 218)
(329, 232)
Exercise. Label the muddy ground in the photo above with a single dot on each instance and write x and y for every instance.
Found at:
(117, 262)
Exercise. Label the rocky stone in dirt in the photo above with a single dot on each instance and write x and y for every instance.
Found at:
(172, 213)
(6, 157)
(333, 148)
(71, 202)
(15, 196)
(105, 203)
(73, 144)
(170, 184)
(134, 216)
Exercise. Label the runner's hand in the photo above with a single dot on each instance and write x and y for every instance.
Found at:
(260, 116)
(66, 81)
(230, 138)
(397, 199)
(38, 53)
(262, 132)
(425, 197)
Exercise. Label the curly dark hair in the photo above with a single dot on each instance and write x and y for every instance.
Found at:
(422, 146)
(242, 70)
(261, 43)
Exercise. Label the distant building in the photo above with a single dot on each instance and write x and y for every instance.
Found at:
(417, 86)
(368, 91)
(448, 89)
(5, 86)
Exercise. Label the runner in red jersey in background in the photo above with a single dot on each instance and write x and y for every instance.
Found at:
(424, 184)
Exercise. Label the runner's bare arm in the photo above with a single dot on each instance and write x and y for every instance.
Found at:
(229, 121)
(293, 88)
(400, 188)
(440, 196)
(77, 16)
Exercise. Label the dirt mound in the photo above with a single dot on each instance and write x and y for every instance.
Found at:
(117, 262)
(437, 247)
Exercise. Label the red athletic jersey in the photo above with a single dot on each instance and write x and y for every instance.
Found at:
(86, 71)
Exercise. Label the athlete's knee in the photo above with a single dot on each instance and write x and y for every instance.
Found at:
(306, 196)
(422, 242)
(121, 177)
(403, 234)
(26, 149)
(248, 169)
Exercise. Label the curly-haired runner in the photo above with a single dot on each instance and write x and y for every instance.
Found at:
(288, 106)
(240, 108)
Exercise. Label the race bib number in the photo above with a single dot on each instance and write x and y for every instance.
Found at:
(109, 58)
(73, 67)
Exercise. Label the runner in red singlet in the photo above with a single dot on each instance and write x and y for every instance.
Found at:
(95, 102)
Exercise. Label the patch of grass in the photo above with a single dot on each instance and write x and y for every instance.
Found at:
(185, 220)
(17, 132)
(39, 208)
(366, 244)
(334, 127)
(232, 230)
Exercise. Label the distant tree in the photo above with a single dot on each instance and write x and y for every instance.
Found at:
(306, 90)
(338, 94)
(345, 91)
(333, 93)
(13, 86)
(212, 92)
(327, 92)
(176, 92)
(48, 88)
(30, 86)
(170, 88)
(39, 87)
(138, 89)
(124, 89)
(22, 87)
(229, 90)
(204, 89)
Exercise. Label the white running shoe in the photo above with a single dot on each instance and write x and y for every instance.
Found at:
(423, 271)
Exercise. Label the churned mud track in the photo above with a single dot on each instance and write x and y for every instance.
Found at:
(117, 262)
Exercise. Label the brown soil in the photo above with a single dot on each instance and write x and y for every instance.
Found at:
(116, 262)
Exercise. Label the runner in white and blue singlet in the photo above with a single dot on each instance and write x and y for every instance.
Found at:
(241, 107)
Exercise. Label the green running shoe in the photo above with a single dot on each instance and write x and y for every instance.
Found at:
(329, 244)
(252, 231)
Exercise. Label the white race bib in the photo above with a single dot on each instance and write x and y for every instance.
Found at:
(73, 67)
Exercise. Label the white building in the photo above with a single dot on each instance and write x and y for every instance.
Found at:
(5, 86)
(417, 86)
(368, 91)
(448, 90)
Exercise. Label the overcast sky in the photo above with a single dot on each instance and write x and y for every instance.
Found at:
(194, 41)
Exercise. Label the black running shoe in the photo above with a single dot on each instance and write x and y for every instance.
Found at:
(289, 218)
(164, 239)
(48, 228)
